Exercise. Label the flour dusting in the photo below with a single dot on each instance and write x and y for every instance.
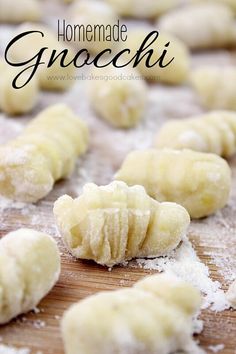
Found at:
(184, 263)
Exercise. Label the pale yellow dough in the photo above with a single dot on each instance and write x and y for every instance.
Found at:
(119, 96)
(200, 26)
(231, 295)
(198, 181)
(213, 132)
(13, 11)
(176, 72)
(230, 3)
(14, 101)
(45, 152)
(115, 223)
(93, 12)
(154, 316)
(56, 77)
(216, 86)
(142, 8)
(29, 268)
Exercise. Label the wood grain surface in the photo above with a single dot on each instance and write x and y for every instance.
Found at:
(214, 238)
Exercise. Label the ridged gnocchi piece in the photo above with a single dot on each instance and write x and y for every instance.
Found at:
(115, 223)
(198, 181)
(93, 13)
(215, 86)
(29, 268)
(213, 132)
(121, 102)
(20, 11)
(176, 72)
(231, 294)
(154, 316)
(45, 152)
(14, 101)
(200, 26)
(55, 77)
(142, 8)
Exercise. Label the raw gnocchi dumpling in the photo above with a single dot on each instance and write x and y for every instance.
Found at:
(216, 86)
(199, 26)
(30, 267)
(115, 223)
(176, 72)
(55, 77)
(93, 13)
(45, 152)
(154, 316)
(198, 181)
(142, 8)
(213, 132)
(231, 294)
(230, 3)
(19, 11)
(14, 101)
(117, 96)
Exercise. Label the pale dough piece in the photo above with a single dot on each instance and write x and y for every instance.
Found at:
(176, 72)
(115, 223)
(143, 8)
(154, 316)
(213, 132)
(29, 268)
(93, 12)
(20, 11)
(216, 86)
(199, 26)
(45, 152)
(230, 3)
(56, 77)
(198, 181)
(14, 101)
(119, 95)
(231, 294)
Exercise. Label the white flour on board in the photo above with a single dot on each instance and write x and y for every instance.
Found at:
(185, 263)
(4, 349)
(216, 348)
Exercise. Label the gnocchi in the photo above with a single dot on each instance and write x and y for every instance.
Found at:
(117, 97)
(199, 26)
(230, 3)
(93, 13)
(231, 294)
(198, 181)
(142, 8)
(215, 86)
(45, 152)
(30, 267)
(55, 77)
(115, 223)
(153, 316)
(14, 101)
(213, 132)
(176, 72)
(20, 11)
